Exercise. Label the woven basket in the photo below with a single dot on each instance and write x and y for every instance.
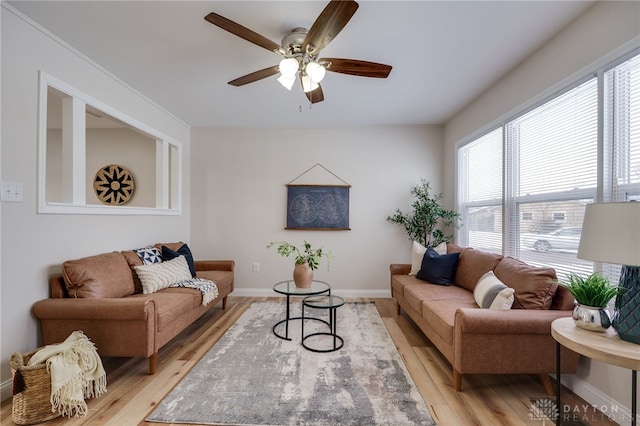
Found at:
(31, 391)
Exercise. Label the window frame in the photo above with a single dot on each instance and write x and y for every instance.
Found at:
(511, 204)
(168, 191)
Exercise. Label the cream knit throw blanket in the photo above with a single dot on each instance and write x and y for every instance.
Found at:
(76, 373)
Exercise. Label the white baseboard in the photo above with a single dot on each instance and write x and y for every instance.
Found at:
(262, 292)
(6, 390)
(595, 398)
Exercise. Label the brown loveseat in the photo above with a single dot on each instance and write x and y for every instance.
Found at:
(488, 341)
(103, 296)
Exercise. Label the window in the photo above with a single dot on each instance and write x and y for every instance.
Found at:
(480, 194)
(559, 216)
(622, 137)
(553, 167)
(526, 215)
(79, 136)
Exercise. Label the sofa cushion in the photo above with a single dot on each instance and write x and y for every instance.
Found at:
(453, 248)
(534, 287)
(438, 306)
(133, 260)
(491, 293)
(103, 275)
(148, 255)
(438, 268)
(170, 307)
(472, 265)
(157, 276)
(417, 253)
(168, 254)
(173, 246)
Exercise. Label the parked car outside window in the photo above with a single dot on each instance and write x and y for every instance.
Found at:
(560, 239)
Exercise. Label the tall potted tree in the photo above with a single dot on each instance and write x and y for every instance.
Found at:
(428, 220)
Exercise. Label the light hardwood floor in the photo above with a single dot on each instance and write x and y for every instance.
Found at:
(485, 399)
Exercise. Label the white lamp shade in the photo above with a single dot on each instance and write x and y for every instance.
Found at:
(287, 82)
(288, 67)
(308, 85)
(611, 233)
(315, 71)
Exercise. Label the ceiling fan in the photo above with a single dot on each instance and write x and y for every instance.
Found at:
(300, 49)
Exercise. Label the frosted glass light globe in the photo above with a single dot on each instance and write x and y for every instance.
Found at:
(288, 67)
(315, 71)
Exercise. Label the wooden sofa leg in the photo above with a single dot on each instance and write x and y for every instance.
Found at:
(398, 308)
(457, 381)
(224, 302)
(546, 383)
(153, 363)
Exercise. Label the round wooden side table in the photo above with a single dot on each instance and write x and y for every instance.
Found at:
(606, 347)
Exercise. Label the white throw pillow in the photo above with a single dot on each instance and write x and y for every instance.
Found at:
(491, 293)
(157, 276)
(417, 253)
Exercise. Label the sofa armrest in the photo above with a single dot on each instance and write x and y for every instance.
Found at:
(512, 321)
(214, 265)
(400, 268)
(124, 309)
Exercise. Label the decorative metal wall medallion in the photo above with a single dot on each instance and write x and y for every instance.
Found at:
(114, 185)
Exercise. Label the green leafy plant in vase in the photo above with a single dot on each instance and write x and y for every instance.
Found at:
(428, 219)
(592, 295)
(307, 260)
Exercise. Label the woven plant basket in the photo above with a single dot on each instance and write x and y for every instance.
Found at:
(31, 391)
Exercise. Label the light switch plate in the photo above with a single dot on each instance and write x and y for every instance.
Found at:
(11, 192)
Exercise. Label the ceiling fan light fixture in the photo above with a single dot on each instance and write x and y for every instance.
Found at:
(289, 67)
(308, 85)
(287, 82)
(315, 71)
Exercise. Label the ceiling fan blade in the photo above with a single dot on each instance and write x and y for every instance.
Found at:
(316, 95)
(255, 76)
(328, 24)
(355, 67)
(243, 32)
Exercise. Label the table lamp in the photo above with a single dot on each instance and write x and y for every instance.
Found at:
(611, 234)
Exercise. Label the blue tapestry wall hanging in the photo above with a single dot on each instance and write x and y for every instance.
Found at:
(318, 207)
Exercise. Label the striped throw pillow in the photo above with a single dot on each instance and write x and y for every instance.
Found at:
(491, 293)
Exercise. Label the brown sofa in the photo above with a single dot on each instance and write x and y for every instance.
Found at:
(488, 341)
(103, 296)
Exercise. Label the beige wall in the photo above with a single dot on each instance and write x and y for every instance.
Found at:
(608, 28)
(34, 245)
(238, 179)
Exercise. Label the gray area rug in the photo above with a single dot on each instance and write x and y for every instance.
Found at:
(251, 377)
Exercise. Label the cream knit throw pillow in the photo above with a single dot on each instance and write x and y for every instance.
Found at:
(157, 276)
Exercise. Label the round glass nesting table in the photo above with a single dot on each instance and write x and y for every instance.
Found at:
(328, 302)
(288, 288)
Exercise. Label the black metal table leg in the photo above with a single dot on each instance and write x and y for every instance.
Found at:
(634, 397)
(558, 384)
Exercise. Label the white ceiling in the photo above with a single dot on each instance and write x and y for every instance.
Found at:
(444, 54)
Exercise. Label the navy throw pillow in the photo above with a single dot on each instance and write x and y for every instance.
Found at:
(438, 268)
(168, 254)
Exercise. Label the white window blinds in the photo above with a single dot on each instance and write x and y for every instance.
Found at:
(480, 189)
(622, 129)
(553, 167)
(552, 175)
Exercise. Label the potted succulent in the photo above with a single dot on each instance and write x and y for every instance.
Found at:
(592, 295)
(424, 223)
(306, 260)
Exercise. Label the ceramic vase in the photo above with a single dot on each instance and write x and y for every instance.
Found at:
(591, 318)
(626, 319)
(302, 275)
